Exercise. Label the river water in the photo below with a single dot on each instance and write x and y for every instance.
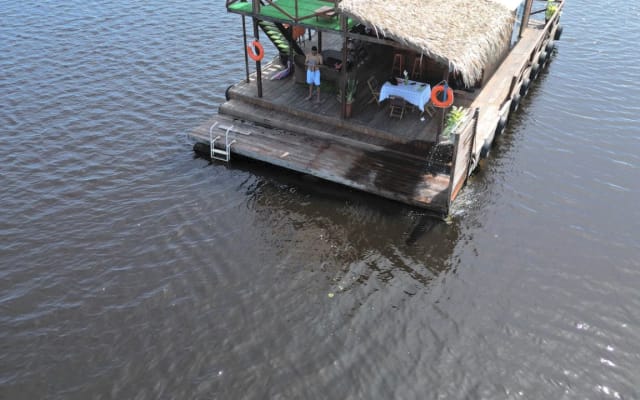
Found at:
(132, 270)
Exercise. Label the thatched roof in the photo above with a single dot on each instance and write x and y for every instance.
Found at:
(466, 35)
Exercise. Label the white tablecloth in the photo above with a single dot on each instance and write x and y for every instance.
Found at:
(416, 93)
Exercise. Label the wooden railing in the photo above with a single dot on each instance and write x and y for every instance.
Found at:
(296, 17)
(466, 133)
(277, 7)
(558, 3)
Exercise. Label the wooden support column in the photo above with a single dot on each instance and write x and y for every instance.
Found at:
(258, 64)
(256, 36)
(476, 117)
(343, 85)
(445, 77)
(291, 53)
(525, 17)
(246, 57)
(319, 42)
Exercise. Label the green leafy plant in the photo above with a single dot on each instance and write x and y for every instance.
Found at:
(454, 116)
(551, 9)
(352, 86)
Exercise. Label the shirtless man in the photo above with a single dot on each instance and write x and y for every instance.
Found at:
(313, 62)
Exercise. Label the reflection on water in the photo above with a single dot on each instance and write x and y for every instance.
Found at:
(132, 270)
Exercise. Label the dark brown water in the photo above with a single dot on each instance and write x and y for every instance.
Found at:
(131, 270)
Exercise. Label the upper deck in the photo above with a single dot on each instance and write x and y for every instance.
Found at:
(300, 12)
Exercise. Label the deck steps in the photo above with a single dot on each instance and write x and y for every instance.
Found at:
(280, 37)
(303, 125)
(245, 106)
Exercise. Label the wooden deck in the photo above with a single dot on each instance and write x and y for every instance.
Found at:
(396, 159)
(386, 171)
(393, 158)
(369, 122)
(285, 97)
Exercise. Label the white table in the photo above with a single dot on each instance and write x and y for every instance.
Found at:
(416, 93)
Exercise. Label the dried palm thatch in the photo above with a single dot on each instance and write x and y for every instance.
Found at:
(466, 35)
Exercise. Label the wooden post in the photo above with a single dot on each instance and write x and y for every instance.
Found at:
(442, 110)
(343, 86)
(319, 41)
(525, 17)
(290, 55)
(476, 117)
(452, 173)
(258, 64)
(246, 57)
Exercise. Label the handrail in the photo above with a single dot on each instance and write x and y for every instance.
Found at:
(271, 3)
(294, 18)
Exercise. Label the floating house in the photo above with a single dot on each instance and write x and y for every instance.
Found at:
(413, 92)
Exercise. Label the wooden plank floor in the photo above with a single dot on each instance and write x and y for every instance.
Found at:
(364, 166)
(286, 96)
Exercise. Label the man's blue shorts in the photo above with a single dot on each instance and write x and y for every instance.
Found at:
(313, 77)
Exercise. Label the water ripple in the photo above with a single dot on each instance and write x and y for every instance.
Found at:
(133, 270)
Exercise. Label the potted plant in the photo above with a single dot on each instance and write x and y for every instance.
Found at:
(454, 117)
(551, 10)
(350, 95)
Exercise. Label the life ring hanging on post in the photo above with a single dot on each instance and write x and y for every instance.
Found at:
(254, 56)
(297, 32)
(444, 91)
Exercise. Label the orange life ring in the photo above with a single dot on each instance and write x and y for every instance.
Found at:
(254, 56)
(298, 31)
(441, 103)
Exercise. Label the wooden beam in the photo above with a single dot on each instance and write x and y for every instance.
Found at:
(445, 77)
(343, 86)
(246, 57)
(258, 64)
(525, 17)
(386, 42)
(461, 139)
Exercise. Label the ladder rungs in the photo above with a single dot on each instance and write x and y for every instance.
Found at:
(217, 153)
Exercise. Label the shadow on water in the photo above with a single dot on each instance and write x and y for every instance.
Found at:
(388, 237)
(332, 258)
(438, 159)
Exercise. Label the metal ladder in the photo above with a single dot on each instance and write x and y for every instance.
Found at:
(220, 154)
